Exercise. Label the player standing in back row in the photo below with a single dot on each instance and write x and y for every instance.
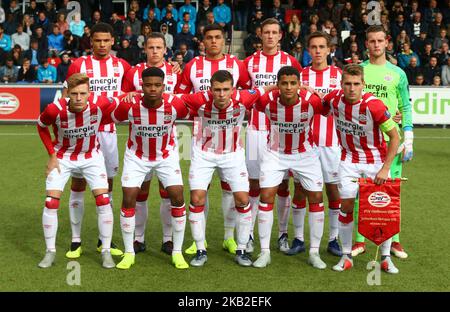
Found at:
(263, 67)
(105, 74)
(390, 84)
(196, 77)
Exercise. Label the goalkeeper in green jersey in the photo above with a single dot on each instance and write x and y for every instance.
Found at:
(390, 84)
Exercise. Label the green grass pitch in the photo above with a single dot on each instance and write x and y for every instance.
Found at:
(425, 228)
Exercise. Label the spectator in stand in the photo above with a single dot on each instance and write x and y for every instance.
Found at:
(435, 27)
(27, 73)
(185, 37)
(201, 50)
(445, 73)
(431, 69)
(417, 26)
(330, 12)
(256, 6)
(430, 12)
(17, 55)
(71, 44)
(130, 36)
(34, 54)
(438, 41)
(152, 21)
(385, 23)
(21, 38)
(251, 40)
(170, 22)
(50, 11)
(418, 44)
(189, 8)
(127, 52)
(401, 39)
(353, 50)
(95, 18)
(179, 59)
(55, 40)
(85, 42)
(145, 32)
(404, 58)
(336, 57)
(396, 10)
(420, 80)
(54, 59)
(14, 13)
(310, 9)
(327, 26)
(209, 20)
(255, 22)
(294, 24)
(347, 16)
(28, 24)
(117, 25)
(203, 10)
(399, 25)
(62, 23)
(410, 11)
(391, 53)
(63, 8)
(9, 72)
(32, 10)
(290, 40)
(222, 16)
(427, 54)
(134, 23)
(335, 38)
(77, 25)
(186, 21)
(167, 36)
(44, 22)
(443, 55)
(5, 40)
(313, 20)
(436, 81)
(188, 54)
(412, 70)
(46, 73)
(277, 12)
(134, 6)
(297, 52)
(170, 8)
(156, 13)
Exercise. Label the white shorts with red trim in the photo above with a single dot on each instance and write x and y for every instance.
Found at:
(330, 157)
(255, 148)
(231, 168)
(108, 146)
(305, 168)
(92, 169)
(349, 171)
(149, 176)
(135, 170)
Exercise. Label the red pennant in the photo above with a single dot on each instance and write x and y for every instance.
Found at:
(379, 209)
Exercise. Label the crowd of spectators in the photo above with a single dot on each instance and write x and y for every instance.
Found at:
(38, 43)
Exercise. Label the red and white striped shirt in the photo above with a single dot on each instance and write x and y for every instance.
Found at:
(263, 70)
(358, 128)
(324, 81)
(197, 73)
(290, 130)
(133, 78)
(105, 77)
(151, 136)
(218, 130)
(76, 133)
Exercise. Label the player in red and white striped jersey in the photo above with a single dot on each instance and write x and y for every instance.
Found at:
(155, 47)
(105, 74)
(216, 145)
(360, 120)
(263, 67)
(290, 147)
(323, 79)
(196, 77)
(75, 121)
(150, 147)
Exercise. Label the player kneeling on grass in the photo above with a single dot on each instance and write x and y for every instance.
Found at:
(360, 120)
(217, 145)
(290, 147)
(75, 150)
(150, 148)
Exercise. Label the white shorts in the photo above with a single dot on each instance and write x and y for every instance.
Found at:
(149, 176)
(108, 146)
(92, 169)
(255, 148)
(231, 168)
(135, 170)
(349, 171)
(330, 157)
(305, 168)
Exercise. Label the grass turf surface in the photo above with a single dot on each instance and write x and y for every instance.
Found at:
(23, 158)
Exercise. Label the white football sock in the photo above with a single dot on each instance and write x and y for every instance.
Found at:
(254, 202)
(386, 247)
(298, 219)
(244, 222)
(141, 220)
(50, 226)
(283, 208)
(105, 225)
(127, 225)
(346, 235)
(76, 212)
(333, 216)
(316, 221)
(178, 225)
(197, 221)
(229, 214)
(265, 222)
(166, 219)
